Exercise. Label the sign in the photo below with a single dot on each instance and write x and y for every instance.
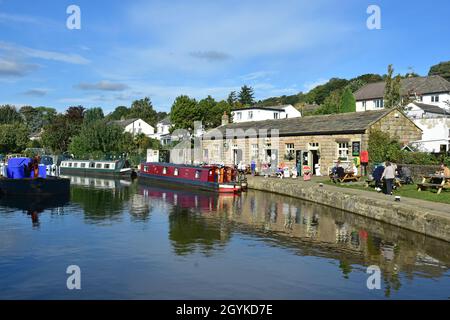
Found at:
(356, 148)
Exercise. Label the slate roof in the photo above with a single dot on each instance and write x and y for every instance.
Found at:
(417, 85)
(354, 122)
(166, 121)
(276, 108)
(124, 123)
(431, 108)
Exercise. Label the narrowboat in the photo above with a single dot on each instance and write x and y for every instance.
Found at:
(212, 178)
(20, 179)
(96, 167)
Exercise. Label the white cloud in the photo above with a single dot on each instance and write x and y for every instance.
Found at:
(15, 68)
(102, 86)
(44, 54)
(311, 85)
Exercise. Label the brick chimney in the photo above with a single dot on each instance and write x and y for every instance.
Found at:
(225, 119)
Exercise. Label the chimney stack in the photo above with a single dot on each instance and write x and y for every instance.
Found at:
(225, 119)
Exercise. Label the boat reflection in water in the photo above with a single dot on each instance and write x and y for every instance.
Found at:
(35, 205)
(205, 223)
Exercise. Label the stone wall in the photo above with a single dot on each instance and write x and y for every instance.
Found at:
(408, 216)
(399, 126)
(418, 171)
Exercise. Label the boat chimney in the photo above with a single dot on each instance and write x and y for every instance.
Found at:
(225, 119)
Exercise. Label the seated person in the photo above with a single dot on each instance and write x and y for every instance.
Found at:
(444, 170)
(377, 174)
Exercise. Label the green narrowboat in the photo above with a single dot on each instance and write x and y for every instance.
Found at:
(96, 167)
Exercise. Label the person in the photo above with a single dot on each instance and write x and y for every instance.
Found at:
(388, 176)
(337, 171)
(445, 171)
(253, 167)
(377, 174)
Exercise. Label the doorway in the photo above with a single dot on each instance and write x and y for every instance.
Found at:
(237, 156)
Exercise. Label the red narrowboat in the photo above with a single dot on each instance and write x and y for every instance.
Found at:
(220, 179)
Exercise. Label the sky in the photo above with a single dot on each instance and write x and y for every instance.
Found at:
(127, 50)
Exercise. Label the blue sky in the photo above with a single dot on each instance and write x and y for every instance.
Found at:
(126, 50)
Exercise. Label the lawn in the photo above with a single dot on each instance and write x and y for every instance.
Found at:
(407, 191)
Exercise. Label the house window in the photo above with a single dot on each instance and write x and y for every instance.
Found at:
(250, 115)
(421, 98)
(434, 98)
(379, 104)
(364, 103)
(342, 149)
(238, 115)
(290, 152)
(314, 144)
(255, 151)
(443, 148)
(276, 115)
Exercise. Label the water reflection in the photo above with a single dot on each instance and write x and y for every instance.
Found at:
(35, 205)
(107, 199)
(205, 223)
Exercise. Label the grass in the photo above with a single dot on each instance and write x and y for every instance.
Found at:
(407, 191)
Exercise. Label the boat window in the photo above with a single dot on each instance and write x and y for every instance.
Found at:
(165, 170)
(99, 166)
(83, 165)
(92, 165)
(145, 168)
(106, 165)
(197, 174)
(175, 172)
(70, 164)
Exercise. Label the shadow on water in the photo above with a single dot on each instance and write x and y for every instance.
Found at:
(205, 222)
(34, 205)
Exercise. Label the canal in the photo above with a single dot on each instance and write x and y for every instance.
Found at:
(153, 242)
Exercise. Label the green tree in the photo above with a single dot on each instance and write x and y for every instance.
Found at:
(331, 104)
(442, 69)
(57, 135)
(143, 109)
(9, 115)
(93, 115)
(246, 96)
(119, 113)
(36, 118)
(13, 138)
(232, 99)
(382, 147)
(348, 102)
(185, 112)
(392, 95)
(75, 114)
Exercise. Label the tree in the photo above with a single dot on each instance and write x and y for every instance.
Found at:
(442, 69)
(143, 143)
(161, 115)
(232, 99)
(13, 138)
(9, 115)
(76, 114)
(93, 115)
(246, 96)
(185, 112)
(143, 109)
(119, 113)
(392, 95)
(331, 104)
(348, 102)
(58, 133)
(97, 138)
(36, 118)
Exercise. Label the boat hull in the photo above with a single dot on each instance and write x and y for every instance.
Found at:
(39, 186)
(96, 172)
(201, 185)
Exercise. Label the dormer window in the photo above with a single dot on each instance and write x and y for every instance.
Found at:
(276, 115)
(434, 98)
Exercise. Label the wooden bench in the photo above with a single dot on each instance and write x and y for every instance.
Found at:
(424, 186)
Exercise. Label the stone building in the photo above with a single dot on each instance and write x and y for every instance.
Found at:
(315, 140)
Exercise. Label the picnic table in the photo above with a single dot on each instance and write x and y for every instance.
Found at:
(347, 177)
(434, 181)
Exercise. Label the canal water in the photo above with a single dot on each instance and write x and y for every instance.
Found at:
(154, 242)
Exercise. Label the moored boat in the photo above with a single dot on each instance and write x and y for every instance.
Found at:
(220, 179)
(96, 167)
(26, 177)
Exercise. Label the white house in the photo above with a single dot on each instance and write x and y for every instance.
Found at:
(435, 136)
(258, 113)
(136, 126)
(431, 90)
(417, 110)
(163, 131)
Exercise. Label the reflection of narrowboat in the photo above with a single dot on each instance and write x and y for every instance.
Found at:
(20, 179)
(94, 167)
(97, 183)
(221, 179)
